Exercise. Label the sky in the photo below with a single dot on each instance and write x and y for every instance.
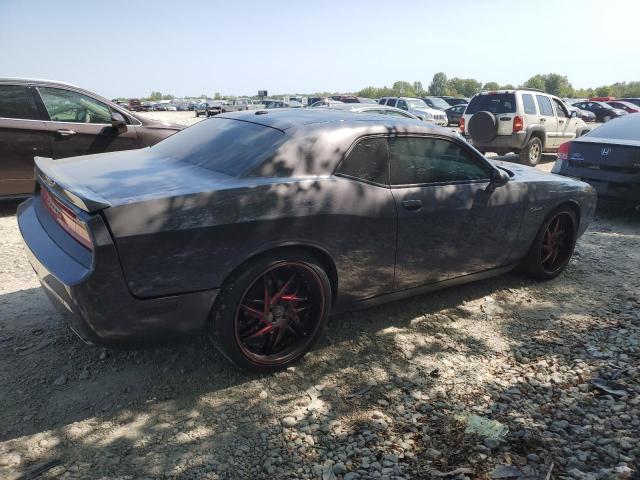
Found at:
(235, 47)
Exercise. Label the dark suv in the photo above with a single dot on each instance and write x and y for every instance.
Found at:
(54, 119)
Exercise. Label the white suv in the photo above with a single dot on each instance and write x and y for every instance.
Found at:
(417, 107)
(524, 121)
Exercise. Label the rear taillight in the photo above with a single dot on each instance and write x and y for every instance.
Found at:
(67, 219)
(563, 151)
(461, 124)
(518, 123)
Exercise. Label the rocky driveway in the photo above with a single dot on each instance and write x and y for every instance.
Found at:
(504, 378)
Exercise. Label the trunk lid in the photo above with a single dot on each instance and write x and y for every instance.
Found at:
(607, 160)
(96, 182)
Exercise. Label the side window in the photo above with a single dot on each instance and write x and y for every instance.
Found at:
(391, 102)
(529, 104)
(560, 109)
(416, 160)
(368, 161)
(545, 106)
(16, 102)
(67, 106)
(402, 104)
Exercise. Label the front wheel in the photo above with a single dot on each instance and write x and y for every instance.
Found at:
(532, 153)
(270, 313)
(607, 118)
(553, 246)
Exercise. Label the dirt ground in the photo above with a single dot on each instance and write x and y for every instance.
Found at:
(387, 393)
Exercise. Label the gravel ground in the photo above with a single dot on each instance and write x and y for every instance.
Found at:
(503, 378)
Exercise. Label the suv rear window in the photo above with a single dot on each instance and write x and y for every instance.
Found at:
(223, 145)
(492, 102)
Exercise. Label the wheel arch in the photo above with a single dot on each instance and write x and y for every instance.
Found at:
(323, 256)
(536, 131)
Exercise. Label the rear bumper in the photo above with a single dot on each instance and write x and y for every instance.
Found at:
(621, 188)
(95, 300)
(621, 191)
(505, 143)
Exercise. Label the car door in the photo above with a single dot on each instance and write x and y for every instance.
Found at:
(549, 121)
(449, 223)
(23, 135)
(567, 125)
(81, 125)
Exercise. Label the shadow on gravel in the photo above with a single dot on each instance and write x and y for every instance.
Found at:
(115, 408)
(8, 208)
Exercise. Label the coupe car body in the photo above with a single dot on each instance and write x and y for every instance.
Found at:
(355, 209)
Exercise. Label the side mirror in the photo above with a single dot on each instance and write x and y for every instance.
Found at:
(497, 179)
(118, 122)
(574, 114)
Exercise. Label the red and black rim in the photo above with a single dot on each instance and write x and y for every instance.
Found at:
(280, 313)
(557, 243)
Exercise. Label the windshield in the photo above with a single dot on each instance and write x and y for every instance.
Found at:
(494, 103)
(417, 103)
(223, 145)
(439, 102)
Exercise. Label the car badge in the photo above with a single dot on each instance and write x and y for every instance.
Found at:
(605, 151)
(48, 180)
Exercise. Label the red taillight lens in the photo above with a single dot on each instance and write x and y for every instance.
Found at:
(563, 151)
(518, 123)
(461, 124)
(67, 219)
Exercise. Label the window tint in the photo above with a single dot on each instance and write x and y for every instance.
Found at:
(16, 102)
(223, 145)
(560, 110)
(494, 103)
(67, 106)
(367, 161)
(626, 128)
(415, 160)
(529, 104)
(402, 104)
(545, 106)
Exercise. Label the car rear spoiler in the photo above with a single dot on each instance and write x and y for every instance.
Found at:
(51, 177)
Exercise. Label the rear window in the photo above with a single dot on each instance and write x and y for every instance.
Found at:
(223, 145)
(529, 104)
(624, 128)
(494, 103)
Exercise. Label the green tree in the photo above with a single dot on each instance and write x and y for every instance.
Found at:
(438, 85)
(403, 89)
(508, 86)
(537, 82)
(418, 90)
(155, 96)
(604, 91)
(216, 96)
(167, 97)
(558, 85)
(491, 86)
(466, 87)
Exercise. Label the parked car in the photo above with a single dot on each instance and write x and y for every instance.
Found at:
(524, 121)
(585, 115)
(208, 109)
(635, 101)
(417, 107)
(171, 108)
(238, 105)
(608, 158)
(56, 119)
(371, 108)
(256, 227)
(454, 100)
(281, 104)
(326, 102)
(601, 110)
(626, 106)
(436, 103)
(454, 113)
(345, 98)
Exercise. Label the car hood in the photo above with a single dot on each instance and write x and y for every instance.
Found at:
(118, 178)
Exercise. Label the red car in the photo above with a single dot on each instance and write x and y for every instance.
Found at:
(626, 106)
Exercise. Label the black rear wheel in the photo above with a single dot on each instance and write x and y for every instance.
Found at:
(532, 153)
(553, 246)
(272, 312)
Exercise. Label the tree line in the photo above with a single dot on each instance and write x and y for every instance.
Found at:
(552, 83)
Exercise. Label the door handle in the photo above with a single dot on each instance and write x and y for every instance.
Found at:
(543, 119)
(412, 205)
(560, 122)
(65, 132)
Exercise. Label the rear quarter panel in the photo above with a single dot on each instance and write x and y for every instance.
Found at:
(193, 242)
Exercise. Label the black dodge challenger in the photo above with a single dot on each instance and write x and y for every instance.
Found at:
(254, 226)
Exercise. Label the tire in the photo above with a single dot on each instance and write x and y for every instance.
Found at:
(606, 118)
(251, 339)
(540, 262)
(532, 153)
(197, 114)
(483, 127)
